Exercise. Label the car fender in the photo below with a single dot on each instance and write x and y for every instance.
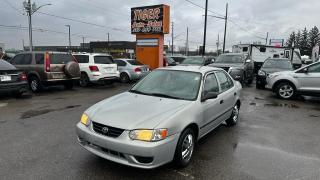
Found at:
(285, 77)
(33, 73)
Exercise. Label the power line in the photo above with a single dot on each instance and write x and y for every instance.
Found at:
(12, 6)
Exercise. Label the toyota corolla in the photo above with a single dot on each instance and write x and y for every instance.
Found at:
(160, 119)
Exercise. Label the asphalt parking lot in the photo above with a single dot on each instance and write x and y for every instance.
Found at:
(275, 139)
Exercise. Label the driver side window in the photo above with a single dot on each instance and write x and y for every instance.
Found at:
(211, 84)
(314, 68)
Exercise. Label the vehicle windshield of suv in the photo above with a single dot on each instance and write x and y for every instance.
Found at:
(230, 59)
(103, 60)
(276, 63)
(178, 84)
(134, 62)
(193, 60)
(61, 58)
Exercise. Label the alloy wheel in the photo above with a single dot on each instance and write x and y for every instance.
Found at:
(286, 91)
(187, 147)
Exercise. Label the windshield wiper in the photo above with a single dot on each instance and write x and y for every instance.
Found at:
(137, 92)
(165, 96)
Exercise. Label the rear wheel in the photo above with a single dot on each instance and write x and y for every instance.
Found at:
(285, 90)
(124, 78)
(35, 84)
(84, 80)
(68, 85)
(234, 116)
(185, 147)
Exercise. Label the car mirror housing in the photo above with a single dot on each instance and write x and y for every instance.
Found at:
(209, 95)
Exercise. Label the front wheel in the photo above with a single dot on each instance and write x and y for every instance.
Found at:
(234, 116)
(185, 147)
(285, 90)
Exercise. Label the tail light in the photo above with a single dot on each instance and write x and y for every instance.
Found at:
(93, 68)
(23, 77)
(47, 62)
(137, 70)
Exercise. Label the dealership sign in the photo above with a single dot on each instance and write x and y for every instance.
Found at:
(150, 20)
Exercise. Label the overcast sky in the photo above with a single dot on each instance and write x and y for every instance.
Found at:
(250, 20)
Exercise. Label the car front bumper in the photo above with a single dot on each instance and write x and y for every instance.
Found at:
(125, 151)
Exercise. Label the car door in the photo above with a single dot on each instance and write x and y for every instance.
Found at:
(121, 65)
(212, 108)
(22, 62)
(309, 80)
(227, 94)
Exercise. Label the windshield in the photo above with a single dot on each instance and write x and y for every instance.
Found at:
(193, 60)
(134, 62)
(103, 60)
(170, 84)
(230, 59)
(276, 63)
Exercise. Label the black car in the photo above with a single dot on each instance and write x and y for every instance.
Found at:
(12, 80)
(237, 65)
(272, 65)
(196, 60)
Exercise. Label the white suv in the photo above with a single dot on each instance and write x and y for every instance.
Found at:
(96, 68)
(287, 84)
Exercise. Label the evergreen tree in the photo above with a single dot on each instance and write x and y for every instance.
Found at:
(313, 36)
(291, 39)
(297, 42)
(304, 43)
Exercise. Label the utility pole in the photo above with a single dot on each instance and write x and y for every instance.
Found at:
(22, 44)
(225, 29)
(69, 36)
(187, 42)
(205, 29)
(172, 49)
(82, 42)
(267, 38)
(108, 50)
(169, 46)
(30, 9)
(218, 43)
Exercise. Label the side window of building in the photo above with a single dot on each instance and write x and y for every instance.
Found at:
(120, 63)
(17, 59)
(224, 80)
(27, 59)
(211, 84)
(39, 58)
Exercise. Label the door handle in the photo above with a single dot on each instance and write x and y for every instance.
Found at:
(221, 102)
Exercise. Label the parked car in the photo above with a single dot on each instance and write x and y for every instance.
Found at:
(177, 59)
(160, 119)
(272, 65)
(131, 70)
(196, 60)
(12, 80)
(48, 68)
(167, 61)
(96, 68)
(237, 65)
(287, 84)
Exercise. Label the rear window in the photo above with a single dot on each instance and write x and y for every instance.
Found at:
(82, 58)
(60, 58)
(103, 60)
(134, 62)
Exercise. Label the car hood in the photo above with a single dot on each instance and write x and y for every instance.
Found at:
(273, 70)
(223, 65)
(133, 111)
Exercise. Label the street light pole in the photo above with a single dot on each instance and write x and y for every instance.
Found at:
(225, 29)
(30, 9)
(108, 48)
(205, 29)
(69, 36)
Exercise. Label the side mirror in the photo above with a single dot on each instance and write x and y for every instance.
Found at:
(305, 70)
(209, 95)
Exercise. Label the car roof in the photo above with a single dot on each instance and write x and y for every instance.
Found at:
(124, 59)
(57, 52)
(92, 54)
(191, 68)
(230, 54)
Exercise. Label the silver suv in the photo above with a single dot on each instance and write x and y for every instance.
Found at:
(287, 84)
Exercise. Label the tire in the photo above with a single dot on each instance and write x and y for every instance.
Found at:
(84, 80)
(35, 84)
(243, 80)
(183, 148)
(68, 85)
(234, 118)
(285, 90)
(124, 78)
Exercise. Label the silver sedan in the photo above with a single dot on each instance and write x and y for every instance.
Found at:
(131, 69)
(160, 119)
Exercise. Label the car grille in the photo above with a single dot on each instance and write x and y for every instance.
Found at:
(107, 130)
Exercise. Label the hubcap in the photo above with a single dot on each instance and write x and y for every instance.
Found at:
(187, 147)
(286, 91)
(235, 113)
(34, 85)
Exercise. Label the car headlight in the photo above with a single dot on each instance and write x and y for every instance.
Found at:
(85, 119)
(262, 73)
(150, 135)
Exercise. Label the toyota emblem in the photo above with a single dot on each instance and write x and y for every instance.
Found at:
(105, 130)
